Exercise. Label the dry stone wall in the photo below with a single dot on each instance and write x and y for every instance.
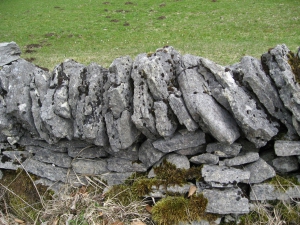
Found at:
(241, 122)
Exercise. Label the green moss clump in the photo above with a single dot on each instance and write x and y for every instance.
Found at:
(22, 197)
(283, 182)
(172, 210)
(294, 62)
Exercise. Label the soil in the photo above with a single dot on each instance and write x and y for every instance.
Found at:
(161, 18)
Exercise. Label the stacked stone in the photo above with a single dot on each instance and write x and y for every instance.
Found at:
(87, 120)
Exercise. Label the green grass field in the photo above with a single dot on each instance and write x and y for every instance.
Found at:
(99, 31)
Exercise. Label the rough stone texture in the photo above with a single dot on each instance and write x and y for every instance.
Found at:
(252, 120)
(89, 152)
(192, 151)
(286, 164)
(148, 154)
(177, 104)
(115, 178)
(184, 189)
(224, 150)
(205, 158)
(131, 153)
(124, 165)
(89, 166)
(226, 201)
(242, 159)
(205, 110)
(45, 170)
(8, 163)
(287, 148)
(264, 192)
(251, 74)
(216, 175)
(17, 156)
(9, 51)
(180, 140)
(277, 66)
(260, 171)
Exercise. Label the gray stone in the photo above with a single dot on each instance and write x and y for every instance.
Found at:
(180, 141)
(224, 150)
(46, 156)
(286, 164)
(90, 124)
(9, 51)
(165, 123)
(57, 187)
(131, 153)
(124, 165)
(275, 63)
(45, 170)
(226, 201)
(287, 148)
(115, 178)
(184, 189)
(263, 192)
(261, 84)
(253, 120)
(248, 157)
(205, 158)
(89, 152)
(220, 175)
(268, 156)
(148, 154)
(204, 109)
(1, 175)
(17, 156)
(260, 171)
(90, 166)
(178, 106)
(142, 117)
(8, 163)
(192, 151)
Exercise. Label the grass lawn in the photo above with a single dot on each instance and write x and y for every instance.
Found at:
(101, 30)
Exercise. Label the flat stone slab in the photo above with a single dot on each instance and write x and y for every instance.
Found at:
(260, 171)
(90, 166)
(224, 175)
(205, 158)
(124, 165)
(287, 148)
(224, 150)
(89, 152)
(286, 164)
(180, 140)
(9, 51)
(242, 159)
(115, 178)
(226, 201)
(262, 192)
(148, 154)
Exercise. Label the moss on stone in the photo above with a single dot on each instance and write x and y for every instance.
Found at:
(283, 182)
(294, 62)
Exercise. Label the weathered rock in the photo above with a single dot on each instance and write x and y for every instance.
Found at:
(149, 155)
(263, 192)
(287, 148)
(192, 151)
(248, 157)
(17, 156)
(253, 120)
(180, 140)
(45, 170)
(252, 75)
(260, 171)
(131, 153)
(268, 156)
(220, 176)
(90, 124)
(124, 165)
(275, 63)
(1, 175)
(9, 52)
(205, 158)
(90, 166)
(115, 178)
(181, 189)
(286, 164)
(204, 109)
(89, 152)
(178, 106)
(165, 123)
(224, 150)
(226, 201)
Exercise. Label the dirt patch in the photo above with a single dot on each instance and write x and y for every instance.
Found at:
(114, 21)
(128, 3)
(162, 5)
(106, 3)
(70, 35)
(30, 51)
(31, 59)
(161, 18)
(57, 7)
(32, 46)
(105, 10)
(126, 24)
(108, 17)
(50, 34)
